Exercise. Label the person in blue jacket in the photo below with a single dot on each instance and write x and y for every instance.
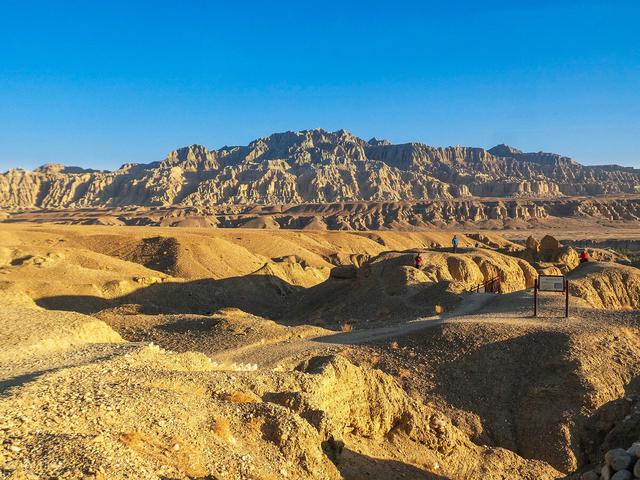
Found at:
(454, 242)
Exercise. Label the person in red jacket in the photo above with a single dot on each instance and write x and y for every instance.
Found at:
(419, 261)
(584, 256)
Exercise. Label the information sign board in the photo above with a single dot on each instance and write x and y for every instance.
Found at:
(551, 283)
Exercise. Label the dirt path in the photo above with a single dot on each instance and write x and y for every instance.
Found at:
(511, 309)
(283, 355)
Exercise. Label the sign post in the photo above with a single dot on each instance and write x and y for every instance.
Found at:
(551, 283)
(566, 298)
(535, 298)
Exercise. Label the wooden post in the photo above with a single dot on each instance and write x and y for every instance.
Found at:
(566, 299)
(535, 298)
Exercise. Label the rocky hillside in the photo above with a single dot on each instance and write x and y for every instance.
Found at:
(558, 213)
(315, 166)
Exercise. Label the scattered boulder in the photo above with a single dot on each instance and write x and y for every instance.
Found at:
(549, 245)
(618, 459)
(619, 464)
(622, 475)
(590, 476)
(634, 450)
(568, 256)
(532, 244)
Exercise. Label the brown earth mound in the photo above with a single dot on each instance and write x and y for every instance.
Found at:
(227, 330)
(328, 420)
(549, 251)
(390, 288)
(606, 285)
(227, 253)
(29, 331)
(270, 275)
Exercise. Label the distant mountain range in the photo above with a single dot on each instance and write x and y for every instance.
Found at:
(316, 166)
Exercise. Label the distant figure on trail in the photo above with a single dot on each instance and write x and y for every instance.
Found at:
(454, 242)
(418, 261)
(584, 256)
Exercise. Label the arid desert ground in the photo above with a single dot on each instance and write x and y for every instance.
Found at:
(201, 353)
(336, 240)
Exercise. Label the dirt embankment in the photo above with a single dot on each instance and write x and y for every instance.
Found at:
(327, 420)
(606, 285)
(539, 388)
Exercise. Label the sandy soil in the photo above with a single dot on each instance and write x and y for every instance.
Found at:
(263, 365)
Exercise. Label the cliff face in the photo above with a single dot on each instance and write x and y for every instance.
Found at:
(315, 166)
(404, 215)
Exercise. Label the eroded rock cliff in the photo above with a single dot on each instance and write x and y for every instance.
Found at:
(316, 166)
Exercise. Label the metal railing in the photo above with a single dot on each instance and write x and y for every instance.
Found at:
(489, 286)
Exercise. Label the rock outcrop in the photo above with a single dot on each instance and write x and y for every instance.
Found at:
(607, 285)
(549, 256)
(316, 166)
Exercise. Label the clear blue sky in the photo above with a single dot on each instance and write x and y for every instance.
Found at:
(98, 84)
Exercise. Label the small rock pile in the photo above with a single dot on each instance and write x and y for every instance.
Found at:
(619, 464)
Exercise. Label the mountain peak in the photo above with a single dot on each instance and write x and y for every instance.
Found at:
(52, 168)
(378, 142)
(192, 158)
(504, 150)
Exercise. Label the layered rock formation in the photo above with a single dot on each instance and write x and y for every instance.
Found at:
(495, 213)
(316, 166)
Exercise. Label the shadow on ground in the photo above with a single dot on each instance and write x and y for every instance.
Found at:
(263, 295)
(356, 466)
(380, 293)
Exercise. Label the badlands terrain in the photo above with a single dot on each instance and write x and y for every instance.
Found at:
(209, 353)
(315, 179)
(282, 330)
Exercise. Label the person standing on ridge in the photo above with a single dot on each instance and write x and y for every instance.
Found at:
(418, 260)
(454, 242)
